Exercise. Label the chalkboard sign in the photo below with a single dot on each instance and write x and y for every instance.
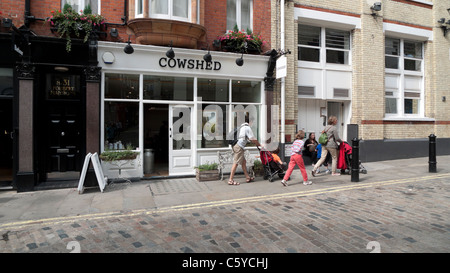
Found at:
(101, 179)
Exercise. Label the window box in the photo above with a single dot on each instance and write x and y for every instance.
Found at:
(70, 24)
(121, 164)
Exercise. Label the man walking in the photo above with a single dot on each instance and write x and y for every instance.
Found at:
(245, 135)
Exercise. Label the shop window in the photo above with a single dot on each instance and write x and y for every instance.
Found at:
(168, 88)
(170, 9)
(238, 116)
(213, 90)
(121, 86)
(6, 82)
(214, 126)
(121, 125)
(403, 78)
(246, 91)
(239, 14)
(81, 5)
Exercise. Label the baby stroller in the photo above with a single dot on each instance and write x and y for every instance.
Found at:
(345, 159)
(271, 168)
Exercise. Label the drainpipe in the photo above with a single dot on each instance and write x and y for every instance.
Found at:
(124, 17)
(283, 82)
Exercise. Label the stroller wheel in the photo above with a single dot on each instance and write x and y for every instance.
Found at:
(265, 177)
(270, 179)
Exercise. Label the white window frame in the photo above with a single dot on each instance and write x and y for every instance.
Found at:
(138, 14)
(81, 4)
(239, 17)
(170, 16)
(322, 63)
(401, 73)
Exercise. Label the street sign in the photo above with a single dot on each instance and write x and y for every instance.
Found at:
(281, 67)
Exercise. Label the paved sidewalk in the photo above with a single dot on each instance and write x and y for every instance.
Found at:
(159, 194)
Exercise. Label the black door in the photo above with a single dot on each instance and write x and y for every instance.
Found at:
(64, 135)
(60, 126)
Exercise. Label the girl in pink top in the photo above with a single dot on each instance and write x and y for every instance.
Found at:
(297, 159)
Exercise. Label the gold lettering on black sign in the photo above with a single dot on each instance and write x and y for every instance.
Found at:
(63, 87)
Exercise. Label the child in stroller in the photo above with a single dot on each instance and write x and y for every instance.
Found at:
(345, 159)
(270, 164)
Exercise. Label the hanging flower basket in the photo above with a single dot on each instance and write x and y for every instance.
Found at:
(241, 41)
(71, 24)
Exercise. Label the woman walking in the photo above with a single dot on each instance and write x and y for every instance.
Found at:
(331, 146)
(297, 159)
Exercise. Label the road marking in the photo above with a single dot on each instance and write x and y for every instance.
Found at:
(177, 208)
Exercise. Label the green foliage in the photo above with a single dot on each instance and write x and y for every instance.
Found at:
(70, 23)
(257, 165)
(207, 167)
(87, 10)
(112, 155)
(241, 41)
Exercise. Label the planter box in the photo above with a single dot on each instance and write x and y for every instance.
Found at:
(207, 175)
(124, 169)
(259, 172)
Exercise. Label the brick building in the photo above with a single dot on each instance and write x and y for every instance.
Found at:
(381, 67)
(63, 98)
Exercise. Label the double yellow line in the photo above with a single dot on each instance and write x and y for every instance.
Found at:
(107, 215)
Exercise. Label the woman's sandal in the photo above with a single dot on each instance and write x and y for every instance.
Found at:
(250, 179)
(232, 182)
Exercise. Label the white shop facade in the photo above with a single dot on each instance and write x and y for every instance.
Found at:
(179, 109)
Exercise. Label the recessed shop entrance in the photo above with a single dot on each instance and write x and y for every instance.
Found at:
(6, 140)
(60, 128)
(167, 132)
(156, 137)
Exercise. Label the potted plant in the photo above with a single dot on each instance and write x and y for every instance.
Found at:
(241, 41)
(121, 163)
(207, 172)
(258, 168)
(70, 24)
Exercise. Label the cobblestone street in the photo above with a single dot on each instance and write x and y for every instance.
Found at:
(401, 216)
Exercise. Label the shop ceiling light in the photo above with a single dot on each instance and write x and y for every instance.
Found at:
(128, 48)
(170, 53)
(207, 57)
(240, 61)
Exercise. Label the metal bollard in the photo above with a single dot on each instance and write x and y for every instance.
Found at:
(355, 160)
(432, 154)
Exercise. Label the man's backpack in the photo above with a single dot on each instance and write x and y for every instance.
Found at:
(232, 137)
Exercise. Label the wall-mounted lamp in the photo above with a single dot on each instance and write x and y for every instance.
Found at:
(128, 48)
(114, 32)
(240, 61)
(375, 8)
(6, 23)
(170, 53)
(445, 26)
(207, 57)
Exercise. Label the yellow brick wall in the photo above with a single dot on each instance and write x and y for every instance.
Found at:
(368, 65)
